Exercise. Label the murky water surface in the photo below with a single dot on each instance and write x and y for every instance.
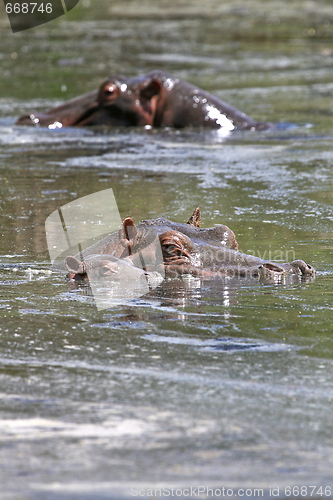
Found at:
(224, 383)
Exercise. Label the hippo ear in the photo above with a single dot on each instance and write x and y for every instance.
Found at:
(195, 219)
(74, 266)
(151, 89)
(127, 230)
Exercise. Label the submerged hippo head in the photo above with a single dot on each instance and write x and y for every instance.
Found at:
(163, 246)
(120, 101)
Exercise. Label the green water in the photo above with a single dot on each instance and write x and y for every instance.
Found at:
(227, 383)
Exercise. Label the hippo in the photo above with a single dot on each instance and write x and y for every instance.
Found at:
(186, 249)
(156, 99)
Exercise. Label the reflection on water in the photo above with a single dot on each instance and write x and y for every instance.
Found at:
(219, 382)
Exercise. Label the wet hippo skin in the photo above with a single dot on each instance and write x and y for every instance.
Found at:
(154, 100)
(71, 113)
(186, 249)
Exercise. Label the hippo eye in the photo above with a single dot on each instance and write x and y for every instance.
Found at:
(173, 249)
(107, 269)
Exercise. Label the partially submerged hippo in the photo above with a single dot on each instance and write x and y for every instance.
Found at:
(155, 100)
(184, 249)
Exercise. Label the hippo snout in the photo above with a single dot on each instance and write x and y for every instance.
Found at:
(301, 268)
(297, 267)
(29, 119)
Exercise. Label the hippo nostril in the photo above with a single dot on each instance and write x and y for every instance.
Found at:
(309, 270)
